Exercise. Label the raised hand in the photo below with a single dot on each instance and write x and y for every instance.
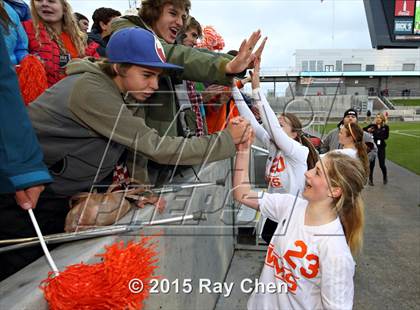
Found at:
(240, 129)
(221, 92)
(247, 144)
(246, 57)
(260, 49)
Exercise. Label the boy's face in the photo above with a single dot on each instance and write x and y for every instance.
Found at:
(106, 28)
(169, 23)
(140, 82)
(350, 119)
(84, 25)
(191, 37)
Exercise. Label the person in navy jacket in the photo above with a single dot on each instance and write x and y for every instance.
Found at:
(22, 171)
(21, 8)
(21, 165)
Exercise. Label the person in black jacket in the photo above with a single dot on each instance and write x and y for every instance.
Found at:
(101, 28)
(380, 132)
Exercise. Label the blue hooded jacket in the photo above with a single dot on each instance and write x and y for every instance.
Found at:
(16, 38)
(21, 164)
(21, 8)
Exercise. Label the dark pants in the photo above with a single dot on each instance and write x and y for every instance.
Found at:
(268, 230)
(381, 159)
(16, 223)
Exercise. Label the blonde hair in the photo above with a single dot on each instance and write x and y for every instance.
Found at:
(357, 134)
(382, 117)
(70, 26)
(348, 174)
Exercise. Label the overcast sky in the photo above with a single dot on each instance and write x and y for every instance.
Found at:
(289, 24)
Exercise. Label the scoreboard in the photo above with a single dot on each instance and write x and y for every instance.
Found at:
(393, 23)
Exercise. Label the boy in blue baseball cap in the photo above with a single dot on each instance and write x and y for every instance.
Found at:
(131, 60)
(87, 121)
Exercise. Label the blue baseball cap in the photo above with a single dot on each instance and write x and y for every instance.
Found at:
(138, 47)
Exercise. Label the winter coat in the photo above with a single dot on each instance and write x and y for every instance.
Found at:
(84, 125)
(49, 51)
(16, 38)
(21, 8)
(380, 134)
(198, 66)
(95, 37)
(21, 164)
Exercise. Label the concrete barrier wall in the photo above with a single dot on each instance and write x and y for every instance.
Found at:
(194, 250)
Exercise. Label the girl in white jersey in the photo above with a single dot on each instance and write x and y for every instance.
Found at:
(350, 137)
(309, 260)
(291, 154)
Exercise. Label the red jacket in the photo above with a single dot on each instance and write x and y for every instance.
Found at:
(48, 51)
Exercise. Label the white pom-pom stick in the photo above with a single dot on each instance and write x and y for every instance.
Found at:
(42, 241)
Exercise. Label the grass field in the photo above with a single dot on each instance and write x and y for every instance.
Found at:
(403, 145)
(406, 102)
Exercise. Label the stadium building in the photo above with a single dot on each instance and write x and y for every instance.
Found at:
(333, 80)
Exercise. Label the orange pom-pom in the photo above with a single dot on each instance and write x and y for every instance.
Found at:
(212, 40)
(104, 285)
(32, 78)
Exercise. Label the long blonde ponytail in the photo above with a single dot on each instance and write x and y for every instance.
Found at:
(357, 134)
(349, 175)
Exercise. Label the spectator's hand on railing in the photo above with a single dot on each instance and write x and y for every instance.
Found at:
(156, 200)
(245, 58)
(28, 198)
(240, 129)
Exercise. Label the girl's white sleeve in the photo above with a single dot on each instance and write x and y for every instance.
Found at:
(290, 147)
(245, 111)
(275, 206)
(337, 288)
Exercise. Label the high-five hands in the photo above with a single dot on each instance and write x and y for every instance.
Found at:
(246, 56)
(247, 144)
(240, 129)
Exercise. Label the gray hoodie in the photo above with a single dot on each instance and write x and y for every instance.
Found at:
(84, 125)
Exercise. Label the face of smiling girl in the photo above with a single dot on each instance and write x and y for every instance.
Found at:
(316, 185)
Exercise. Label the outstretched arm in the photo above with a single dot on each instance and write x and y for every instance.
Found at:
(246, 112)
(269, 118)
(241, 185)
